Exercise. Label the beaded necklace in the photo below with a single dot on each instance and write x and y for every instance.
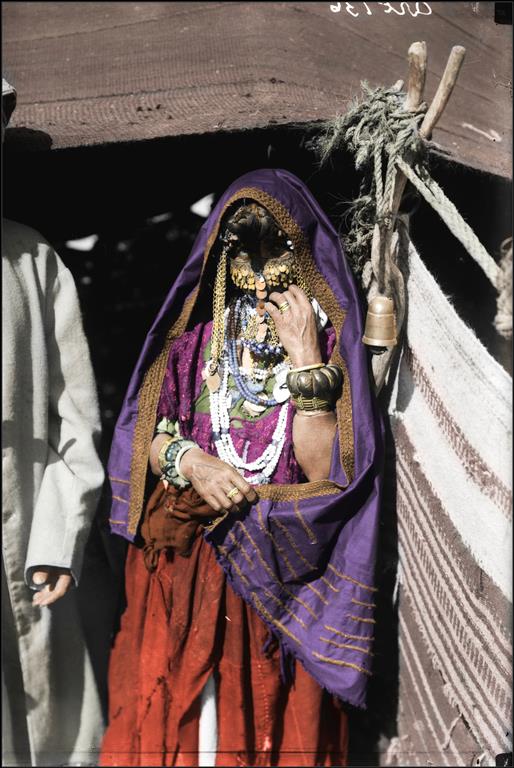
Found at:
(221, 400)
(248, 390)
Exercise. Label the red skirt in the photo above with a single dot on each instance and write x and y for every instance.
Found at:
(182, 622)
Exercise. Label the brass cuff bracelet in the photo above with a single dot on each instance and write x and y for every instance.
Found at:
(324, 383)
(311, 404)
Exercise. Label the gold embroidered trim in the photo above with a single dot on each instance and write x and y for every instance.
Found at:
(234, 565)
(118, 498)
(280, 549)
(349, 637)
(366, 605)
(241, 549)
(270, 573)
(358, 618)
(153, 378)
(277, 546)
(347, 645)
(340, 663)
(260, 607)
(349, 578)
(316, 592)
(217, 521)
(331, 586)
(308, 530)
(284, 607)
(299, 491)
(292, 543)
(118, 480)
(116, 522)
(147, 412)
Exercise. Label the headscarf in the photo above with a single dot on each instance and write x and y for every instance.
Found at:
(304, 555)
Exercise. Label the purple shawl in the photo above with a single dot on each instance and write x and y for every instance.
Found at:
(304, 556)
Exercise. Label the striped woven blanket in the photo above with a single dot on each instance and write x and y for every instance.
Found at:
(451, 416)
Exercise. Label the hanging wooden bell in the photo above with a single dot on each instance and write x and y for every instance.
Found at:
(380, 328)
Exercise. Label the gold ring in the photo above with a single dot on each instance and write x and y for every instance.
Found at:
(233, 492)
(284, 307)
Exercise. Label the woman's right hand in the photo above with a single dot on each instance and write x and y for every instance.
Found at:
(213, 479)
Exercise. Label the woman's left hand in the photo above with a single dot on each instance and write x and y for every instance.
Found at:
(296, 326)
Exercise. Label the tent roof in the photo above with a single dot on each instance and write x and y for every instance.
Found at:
(101, 72)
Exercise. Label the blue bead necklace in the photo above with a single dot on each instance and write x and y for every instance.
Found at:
(247, 389)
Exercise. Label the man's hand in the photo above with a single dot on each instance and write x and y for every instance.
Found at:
(213, 479)
(57, 582)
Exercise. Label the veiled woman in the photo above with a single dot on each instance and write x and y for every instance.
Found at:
(249, 583)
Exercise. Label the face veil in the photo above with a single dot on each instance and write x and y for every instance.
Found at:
(312, 544)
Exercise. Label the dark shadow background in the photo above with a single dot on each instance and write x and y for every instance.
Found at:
(114, 192)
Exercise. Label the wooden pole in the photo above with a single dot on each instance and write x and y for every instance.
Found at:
(417, 55)
(444, 91)
(415, 88)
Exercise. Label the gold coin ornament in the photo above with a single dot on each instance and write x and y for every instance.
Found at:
(279, 272)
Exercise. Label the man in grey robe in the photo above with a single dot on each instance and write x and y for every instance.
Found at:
(52, 477)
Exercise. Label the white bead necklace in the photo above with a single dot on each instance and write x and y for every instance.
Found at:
(220, 403)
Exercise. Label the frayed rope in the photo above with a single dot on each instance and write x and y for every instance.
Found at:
(377, 131)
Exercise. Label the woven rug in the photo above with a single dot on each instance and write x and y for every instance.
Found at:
(451, 415)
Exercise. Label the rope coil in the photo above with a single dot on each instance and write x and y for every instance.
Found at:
(377, 131)
(380, 132)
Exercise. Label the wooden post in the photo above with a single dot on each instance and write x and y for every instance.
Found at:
(415, 87)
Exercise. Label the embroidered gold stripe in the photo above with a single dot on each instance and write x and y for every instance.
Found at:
(331, 586)
(292, 542)
(260, 607)
(234, 565)
(366, 605)
(358, 618)
(118, 498)
(118, 480)
(316, 592)
(272, 575)
(349, 578)
(300, 490)
(217, 521)
(280, 549)
(347, 645)
(116, 522)
(349, 637)
(241, 549)
(340, 663)
(279, 602)
(306, 528)
(275, 543)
